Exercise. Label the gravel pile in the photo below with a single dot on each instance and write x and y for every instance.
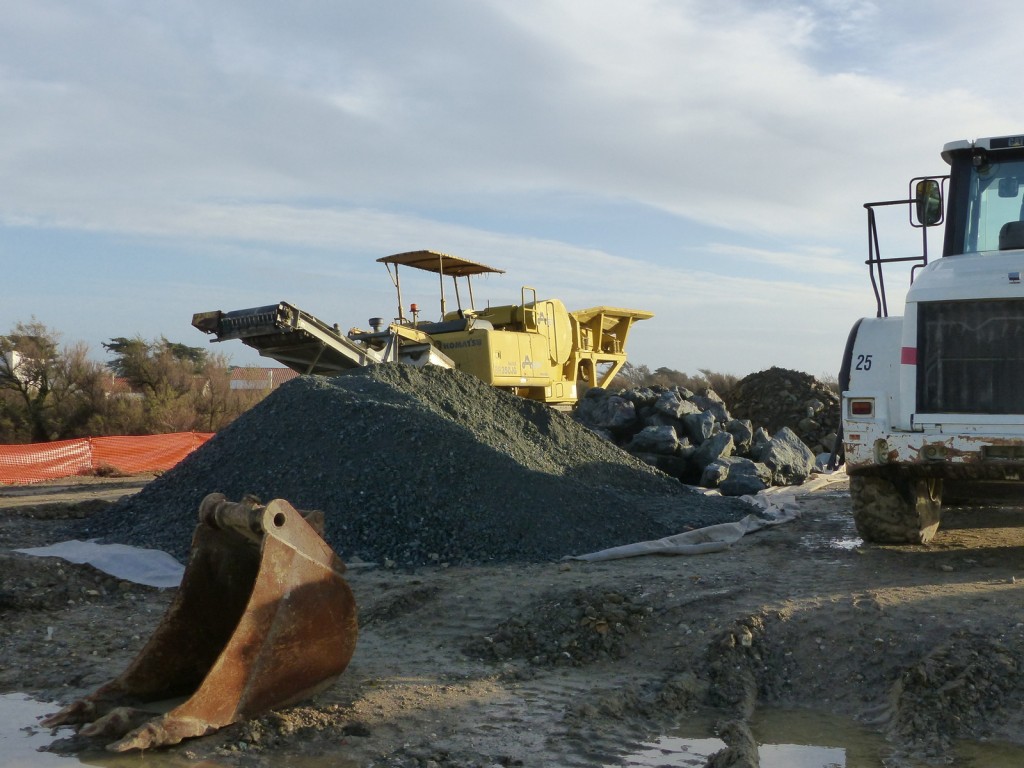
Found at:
(417, 466)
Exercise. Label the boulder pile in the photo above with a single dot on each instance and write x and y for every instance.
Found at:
(783, 422)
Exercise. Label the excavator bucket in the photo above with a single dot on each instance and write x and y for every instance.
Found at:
(262, 619)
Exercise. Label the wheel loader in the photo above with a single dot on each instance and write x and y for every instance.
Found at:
(537, 348)
(933, 398)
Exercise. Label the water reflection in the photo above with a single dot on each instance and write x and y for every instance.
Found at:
(787, 738)
(680, 752)
(21, 736)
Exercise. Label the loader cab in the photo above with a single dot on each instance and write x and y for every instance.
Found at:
(980, 203)
(986, 196)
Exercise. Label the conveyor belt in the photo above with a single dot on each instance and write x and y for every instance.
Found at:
(289, 335)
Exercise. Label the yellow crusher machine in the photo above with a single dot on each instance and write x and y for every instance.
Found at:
(536, 348)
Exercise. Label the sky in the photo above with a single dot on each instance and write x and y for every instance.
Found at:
(706, 160)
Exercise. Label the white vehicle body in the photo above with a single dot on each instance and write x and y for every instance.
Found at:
(938, 393)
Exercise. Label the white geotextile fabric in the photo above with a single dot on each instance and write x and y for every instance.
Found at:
(780, 503)
(151, 567)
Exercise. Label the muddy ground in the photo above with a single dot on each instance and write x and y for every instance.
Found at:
(572, 663)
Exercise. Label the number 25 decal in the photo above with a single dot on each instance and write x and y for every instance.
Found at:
(863, 363)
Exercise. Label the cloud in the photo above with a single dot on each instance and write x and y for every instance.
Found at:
(738, 139)
(715, 115)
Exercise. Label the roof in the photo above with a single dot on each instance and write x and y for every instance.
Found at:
(439, 263)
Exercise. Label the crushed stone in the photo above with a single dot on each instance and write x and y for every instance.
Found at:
(419, 466)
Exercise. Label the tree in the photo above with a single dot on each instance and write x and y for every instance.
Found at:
(635, 376)
(670, 377)
(216, 404)
(631, 376)
(160, 369)
(54, 392)
(165, 374)
(50, 392)
(182, 388)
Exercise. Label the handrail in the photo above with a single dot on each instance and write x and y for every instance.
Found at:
(529, 313)
(875, 260)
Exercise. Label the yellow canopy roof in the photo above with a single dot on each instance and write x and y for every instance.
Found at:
(439, 263)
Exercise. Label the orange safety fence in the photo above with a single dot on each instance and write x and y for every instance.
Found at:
(126, 455)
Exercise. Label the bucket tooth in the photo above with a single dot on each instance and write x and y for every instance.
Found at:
(263, 618)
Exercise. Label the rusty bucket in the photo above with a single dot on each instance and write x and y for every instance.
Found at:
(263, 618)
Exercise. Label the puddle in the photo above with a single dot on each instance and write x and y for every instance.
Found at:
(805, 739)
(788, 739)
(847, 543)
(21, 736)
(818, 542)
(834, 530)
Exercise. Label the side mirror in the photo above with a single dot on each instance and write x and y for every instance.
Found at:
(928, 203)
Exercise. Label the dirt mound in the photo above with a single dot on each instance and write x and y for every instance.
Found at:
(417, 466)
(778, 398)
(577, 629)
(956, 691)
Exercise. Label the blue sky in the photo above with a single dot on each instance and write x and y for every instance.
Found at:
(704, 160)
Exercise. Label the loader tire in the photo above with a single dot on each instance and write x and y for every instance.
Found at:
(895, 511)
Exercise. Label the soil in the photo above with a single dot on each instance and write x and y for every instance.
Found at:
(570, 663)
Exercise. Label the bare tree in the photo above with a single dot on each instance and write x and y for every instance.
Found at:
(631, 376)
(216, 405)
(634, 376)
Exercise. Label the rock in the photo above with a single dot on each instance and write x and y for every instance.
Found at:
(669, 404)
(674, 466)
(759, 443)
(642, 397)
(742, 431)
(609, 412)
(762, 405)
(659, 440)
(714, 473)
(709, 400)
(789, 459)
(699, 426)
(715, 447)
(828, 442)
(745, 477)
